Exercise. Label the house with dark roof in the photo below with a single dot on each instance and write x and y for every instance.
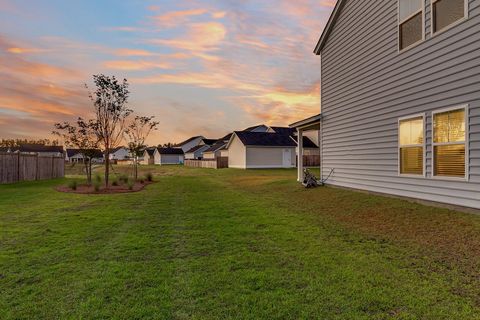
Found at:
(148, 156)
(190, 143)
(120, 154)
(165, 156)
(39, 149)
(215, 150)
(77, 156)
(254, 150)
(196, 153)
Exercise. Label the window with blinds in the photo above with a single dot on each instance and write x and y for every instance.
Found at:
(410, 16)
(447, 12)
(411, 146)
(449, 143)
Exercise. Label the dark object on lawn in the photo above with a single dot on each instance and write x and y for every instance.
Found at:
(96, 186)
(309, 180)
(115, 182)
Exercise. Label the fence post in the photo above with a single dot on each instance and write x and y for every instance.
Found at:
(51, 172)
(18, 166)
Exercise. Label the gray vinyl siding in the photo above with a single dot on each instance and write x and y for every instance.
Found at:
(367, 84)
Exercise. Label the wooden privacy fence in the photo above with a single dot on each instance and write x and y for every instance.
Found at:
(218, 163)
(15, 167)
(311, 161)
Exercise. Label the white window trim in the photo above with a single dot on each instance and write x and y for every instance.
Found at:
(432, 22)
(424, 146)
(466, 143)
(399, 22)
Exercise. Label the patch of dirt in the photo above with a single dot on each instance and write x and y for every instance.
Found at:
(89, 189)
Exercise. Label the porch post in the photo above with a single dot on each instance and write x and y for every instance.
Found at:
(300, 154)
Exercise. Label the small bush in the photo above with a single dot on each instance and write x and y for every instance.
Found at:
(142, 181)
(98, 178)
(130, 185)
(149, 177)
(73, 185)
(96, 186)
(115, 182)
(123, 178)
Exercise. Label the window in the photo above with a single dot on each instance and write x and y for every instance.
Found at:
(410, 18)
(449, 135)
(411, 145)
(447, 12)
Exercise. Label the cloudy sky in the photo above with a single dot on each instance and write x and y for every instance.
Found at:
(200, 66)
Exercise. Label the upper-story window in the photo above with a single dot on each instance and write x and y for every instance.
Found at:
(410, 22)
(447, 12)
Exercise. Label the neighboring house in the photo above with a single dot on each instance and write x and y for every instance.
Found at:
(252, 150)
(214, 151)
(165, 156)
(40, 150)
(190, 143)
(400, 99)
(120, 153)
(196, 153)
(148, 156)
(76, 156)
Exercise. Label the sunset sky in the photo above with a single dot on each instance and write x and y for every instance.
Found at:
(201, 67)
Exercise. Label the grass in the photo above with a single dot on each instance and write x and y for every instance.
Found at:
(218, 244)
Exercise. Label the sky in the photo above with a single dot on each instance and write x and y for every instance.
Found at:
(201, 67)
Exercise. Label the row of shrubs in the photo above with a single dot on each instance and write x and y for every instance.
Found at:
(121, 179)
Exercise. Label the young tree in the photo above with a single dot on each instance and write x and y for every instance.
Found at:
(136, 134)
(81, 136)
(110, 100)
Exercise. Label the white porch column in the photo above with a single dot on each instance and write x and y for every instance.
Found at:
(300, 155)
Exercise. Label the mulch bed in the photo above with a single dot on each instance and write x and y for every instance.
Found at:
(89, 189)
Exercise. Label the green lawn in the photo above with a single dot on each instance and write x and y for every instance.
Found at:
(231, 244)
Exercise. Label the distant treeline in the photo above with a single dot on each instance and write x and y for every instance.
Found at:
(12, 143)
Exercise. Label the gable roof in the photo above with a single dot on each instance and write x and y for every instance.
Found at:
(4, 149)
(217, 146)
(117, 149)
(72, 152)
(329, 26)
(150, 151)
(209, 141)
(255, 127)
(307, 142)
(227, 137)
(39, 148)
(284, 130)
(170, 150)
(199, 147)
(265, 139)
(188, 140)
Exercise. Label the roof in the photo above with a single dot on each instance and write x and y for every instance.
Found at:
(210, 141)
(307, 142)
(39, 148)
(170, 150)
(188, 140)
(4, 149)
(265, 139)
(328, 28)
(150, 151)
(196, 148)
(217, 146)
(71, 152)
(284, 130)
(227, 137)
(255, 127)
(117, 148)
(308, 121)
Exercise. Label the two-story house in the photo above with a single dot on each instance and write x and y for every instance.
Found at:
(400, 98)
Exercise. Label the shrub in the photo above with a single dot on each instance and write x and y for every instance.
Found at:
(149, 177)
(96, 186)
(73, 185)
(98, 178)
(142, 181)
(115, 182)
(130, 185)
(123, 178)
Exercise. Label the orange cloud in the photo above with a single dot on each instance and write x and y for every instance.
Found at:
(133, 52)
(174, 18)
(200, 37)
(135, 65)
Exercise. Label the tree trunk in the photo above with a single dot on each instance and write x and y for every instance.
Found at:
(107, 167)
(89, 171)
(135, 169)
(86, 171)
